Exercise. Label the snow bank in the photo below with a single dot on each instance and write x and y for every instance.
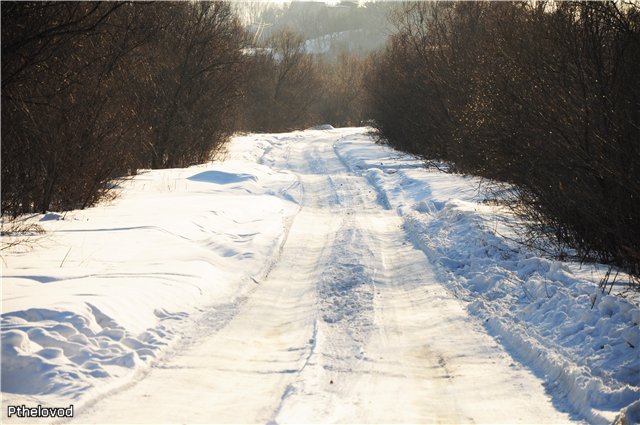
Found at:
(538, 308)
(108, 289)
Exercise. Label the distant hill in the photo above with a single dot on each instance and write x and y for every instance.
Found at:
(328, 29)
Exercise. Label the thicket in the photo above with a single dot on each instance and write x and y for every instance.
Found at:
(542, 95)
(287, 88)
(92, 91)
(307, 62)
(283, 85)
(95, 90)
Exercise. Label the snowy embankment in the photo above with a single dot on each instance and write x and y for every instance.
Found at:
(108, 290)
(540, 309)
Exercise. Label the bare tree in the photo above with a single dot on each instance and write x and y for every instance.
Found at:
(283, 85)
(93, 91)
(539, 95)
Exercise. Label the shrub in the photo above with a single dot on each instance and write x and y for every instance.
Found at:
(540, 95)
(94, 90)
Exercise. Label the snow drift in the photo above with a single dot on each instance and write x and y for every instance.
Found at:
(538, 308)
(106, 291)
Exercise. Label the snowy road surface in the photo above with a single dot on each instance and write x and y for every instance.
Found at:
(350, 325)
(312, 276)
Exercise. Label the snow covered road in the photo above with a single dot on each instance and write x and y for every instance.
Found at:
(313, 276)
(350, 325)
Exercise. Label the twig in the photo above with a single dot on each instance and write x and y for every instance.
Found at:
(65, 257)
(602, 284)
(612, 282)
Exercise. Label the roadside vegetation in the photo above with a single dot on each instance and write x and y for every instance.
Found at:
(94, 91)
(542, 96)
(288, 88)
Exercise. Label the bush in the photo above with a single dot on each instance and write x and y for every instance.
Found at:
(190, 82)
(288, 88)
(283, 85)
(95, 90)
(540, 95)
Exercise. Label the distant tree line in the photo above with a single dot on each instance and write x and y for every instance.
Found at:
(288, 88)
(97, 90)
(541, 95)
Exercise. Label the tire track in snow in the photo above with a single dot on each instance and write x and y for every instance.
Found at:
(349, 326)
(333, 388)
(399, 350)
(212, 319)
(345, 296)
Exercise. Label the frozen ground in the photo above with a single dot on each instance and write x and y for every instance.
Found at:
(312, 277)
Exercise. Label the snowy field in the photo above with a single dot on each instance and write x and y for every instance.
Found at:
(310, 277)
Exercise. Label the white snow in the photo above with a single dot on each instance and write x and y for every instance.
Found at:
(311, 277)
(538, 308)
(104, 293)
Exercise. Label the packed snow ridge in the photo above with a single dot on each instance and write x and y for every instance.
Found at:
(312, 276)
